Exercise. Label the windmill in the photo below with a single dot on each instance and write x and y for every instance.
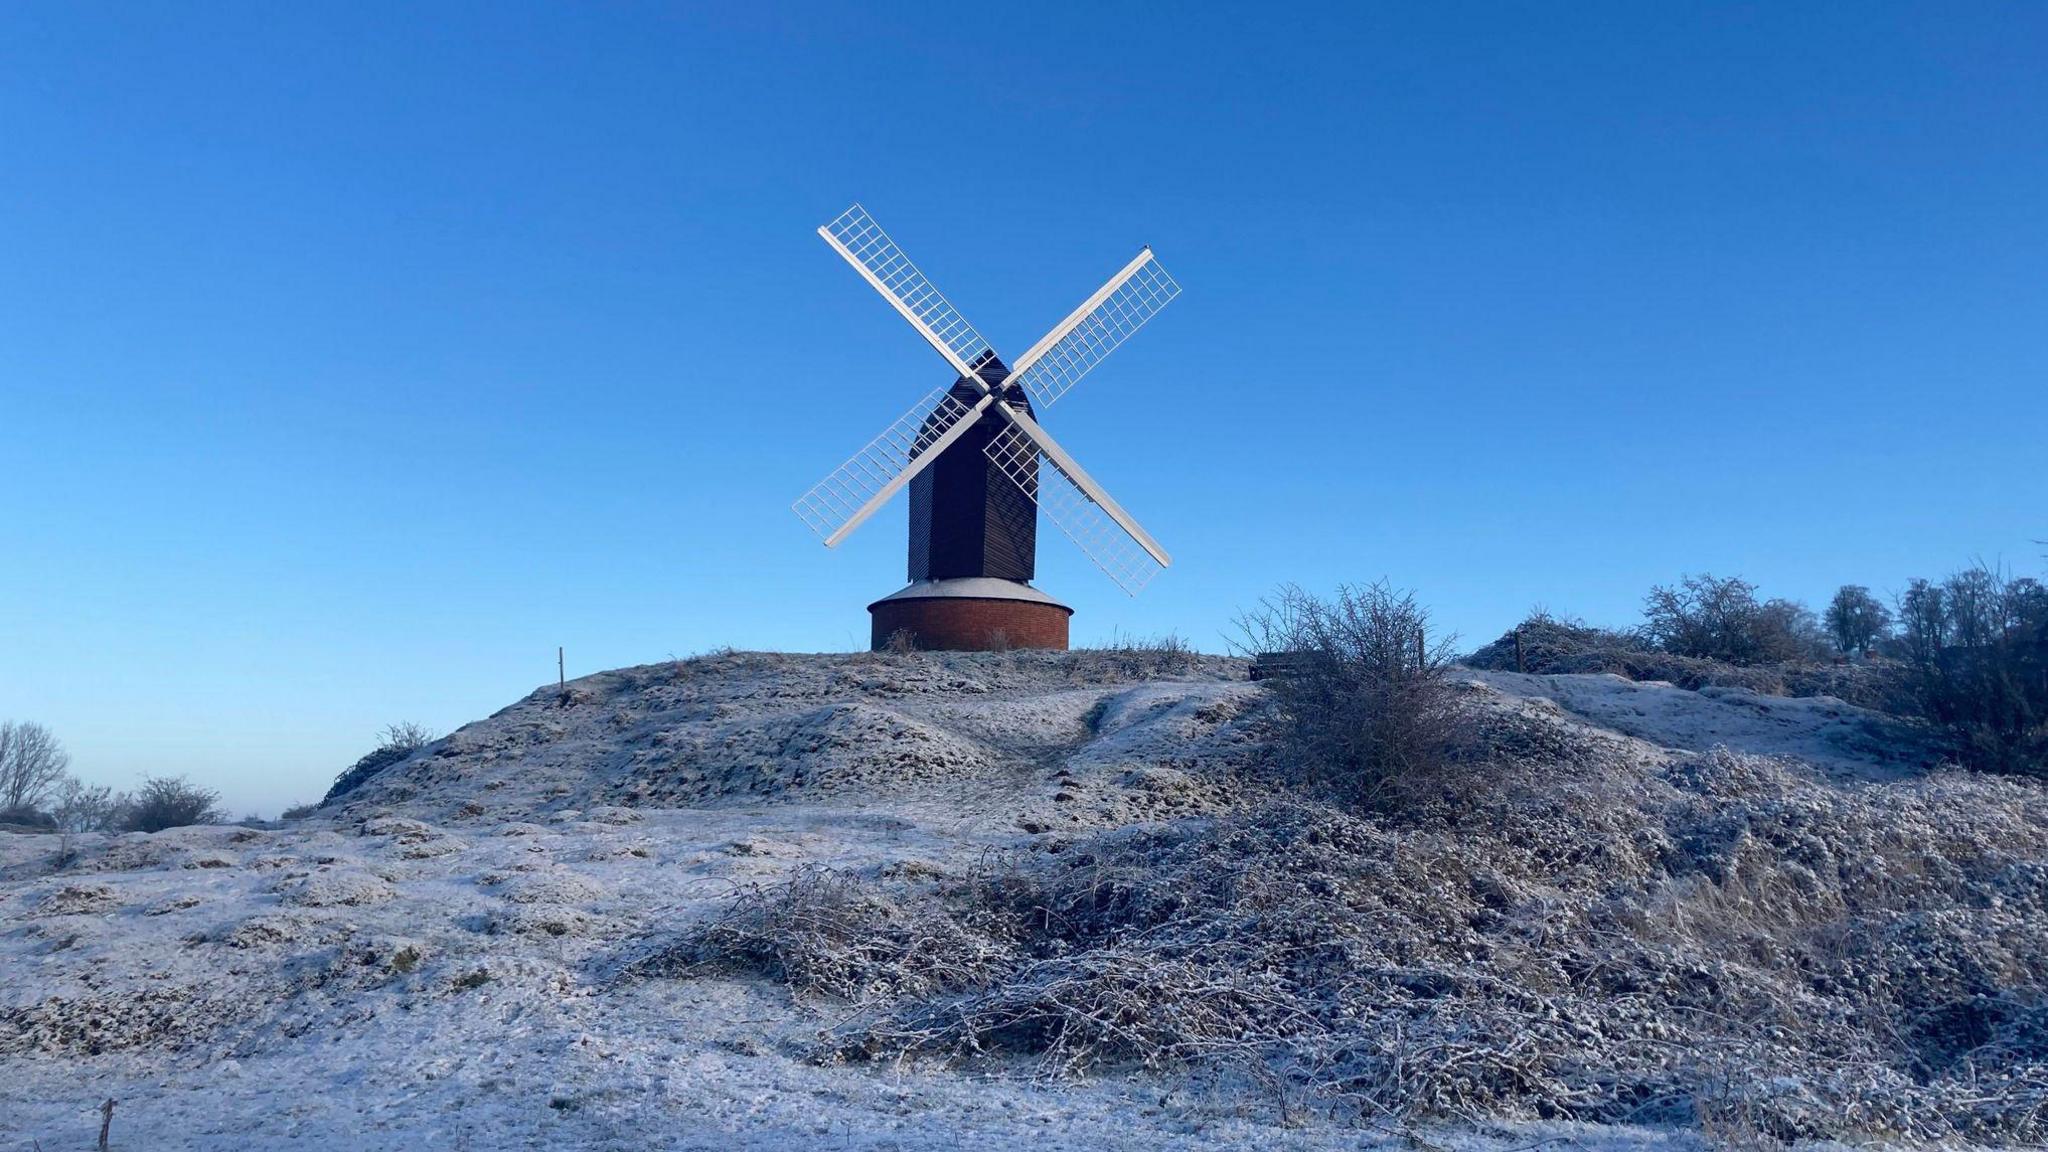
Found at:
(980, 467)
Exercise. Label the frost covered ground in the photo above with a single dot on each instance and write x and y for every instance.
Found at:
(442, 960)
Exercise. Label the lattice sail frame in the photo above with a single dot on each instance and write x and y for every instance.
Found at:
(1110, 323)
(1072, 511)
(833, 501)
(841, 501)
(870, 247)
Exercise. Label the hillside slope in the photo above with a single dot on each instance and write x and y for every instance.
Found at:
(976, 742)
(457, 952)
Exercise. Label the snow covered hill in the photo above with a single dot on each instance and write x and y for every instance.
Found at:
(445, 957)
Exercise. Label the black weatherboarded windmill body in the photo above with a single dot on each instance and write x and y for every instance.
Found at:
(966, 517)
(980, 467)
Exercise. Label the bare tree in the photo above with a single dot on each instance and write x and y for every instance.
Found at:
(83, 808)
(1857, 620)
(1923, 622)
(1977, 648)
(32, 765)
(1788, 630)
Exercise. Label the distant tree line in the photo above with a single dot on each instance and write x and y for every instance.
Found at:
(1968, 653)
(37, 790)
(1977, 648)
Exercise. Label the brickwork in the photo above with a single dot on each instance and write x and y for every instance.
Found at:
(958, 624)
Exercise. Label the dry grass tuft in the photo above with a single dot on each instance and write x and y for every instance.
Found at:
(1726, 944)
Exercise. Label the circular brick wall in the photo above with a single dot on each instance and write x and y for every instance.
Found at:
(955, 623)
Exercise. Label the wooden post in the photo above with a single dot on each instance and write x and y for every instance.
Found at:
(106, 1121)
(1518, 650)
(561, 673)
(1421, 650)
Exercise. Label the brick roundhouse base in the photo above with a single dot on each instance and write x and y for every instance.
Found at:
(972, 615)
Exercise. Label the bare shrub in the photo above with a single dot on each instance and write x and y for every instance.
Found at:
(407, 736)
(79, 809)
(1716, 619)
(1553, 645)
(825, 932)
(1563, 645)
(902, 642)
(33, 818)
(398, 742)
(83, 808)
(170, 802)
(1128, 656)
(1365, 703)
(1590, 943)
(1977, 645)
(32, 765)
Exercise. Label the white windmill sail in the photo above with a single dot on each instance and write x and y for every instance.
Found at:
(1076, 504)
(857, 237)
(1103, 321)
(836, 505)
(857, 489)
(1023, 451)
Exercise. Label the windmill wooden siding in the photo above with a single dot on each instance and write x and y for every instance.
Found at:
(967, 518)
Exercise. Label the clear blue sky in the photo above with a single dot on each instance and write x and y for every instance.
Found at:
(353, 357)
